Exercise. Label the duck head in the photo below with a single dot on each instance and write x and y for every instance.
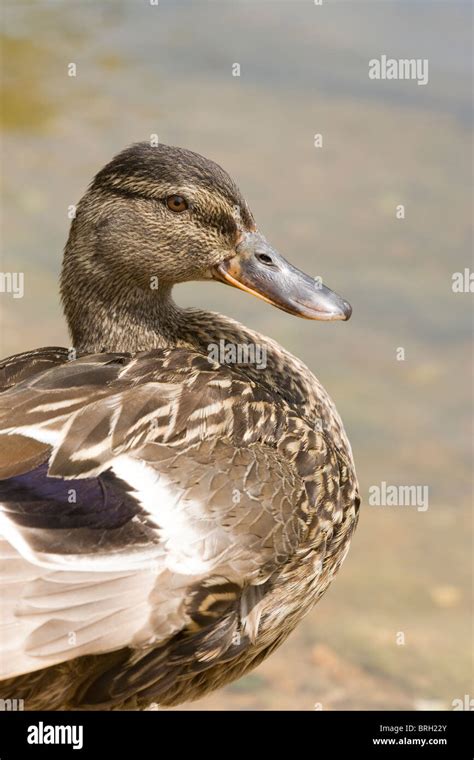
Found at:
(157, 216)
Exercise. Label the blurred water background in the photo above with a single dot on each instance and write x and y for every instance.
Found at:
(167, 69)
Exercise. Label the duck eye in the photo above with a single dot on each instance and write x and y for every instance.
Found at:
(176, 203)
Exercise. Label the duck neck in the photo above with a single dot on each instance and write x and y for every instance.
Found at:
(102, 317)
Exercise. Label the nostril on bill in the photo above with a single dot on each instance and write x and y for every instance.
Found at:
(264, 258)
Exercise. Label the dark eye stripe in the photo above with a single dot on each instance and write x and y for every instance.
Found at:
(222, 220)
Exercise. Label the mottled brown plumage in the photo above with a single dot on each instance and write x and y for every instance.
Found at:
(167, 518)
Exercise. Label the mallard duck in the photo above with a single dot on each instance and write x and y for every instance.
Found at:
(167, 517)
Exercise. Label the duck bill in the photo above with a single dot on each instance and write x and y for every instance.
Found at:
(259, 270)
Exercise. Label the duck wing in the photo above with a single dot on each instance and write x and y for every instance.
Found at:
(19, 367)
(165, 494)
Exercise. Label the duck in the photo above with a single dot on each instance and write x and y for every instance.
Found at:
(168, 516)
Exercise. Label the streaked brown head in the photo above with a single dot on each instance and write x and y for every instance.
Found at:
(157, 216)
